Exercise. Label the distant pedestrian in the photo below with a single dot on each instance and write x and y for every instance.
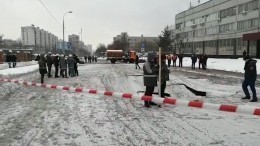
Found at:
(174, 59)
(89, 59)
(42, 67)
(49, 63)
(249, 78)
(56, 62)
(86, 58)
(63, 66)
(193, 61)
(200, 60)
(76, 64)
(169, 58)
(137, 62)
(14, 59)
(9, 59)
(244, 53)
(204, 61)
(180, 59)
(71, 62)
(37, 58)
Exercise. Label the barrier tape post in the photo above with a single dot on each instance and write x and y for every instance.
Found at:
(172, 101)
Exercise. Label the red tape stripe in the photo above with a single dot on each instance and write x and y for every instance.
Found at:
(147, 98)
(195, 104)
(170, 101)
(53, 86)
(66, 88)
(257, 112)
(33, 84)
(108, 93)
(127, 95)
(228, 108)
(92, 91)
(78, 89)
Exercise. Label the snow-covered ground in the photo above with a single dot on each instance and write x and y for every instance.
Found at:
(38, 116)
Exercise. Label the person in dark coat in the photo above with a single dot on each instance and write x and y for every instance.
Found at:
(244, 53)
(193, 61)
(14, 59)
(137, 62)
(71, 63)
(49, 64)
(249, 78)
(180, 59)
(169, 58)
(56, 62)
(204, 61)
(200, 57)
(150, 76)
(164, 75)
(9, 59)
(37, 58)
(76, 64)
(42, 67)
(174, 59)
(63, 66)
(86, 58)
(89, 59)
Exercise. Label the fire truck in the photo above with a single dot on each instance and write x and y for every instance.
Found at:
(119, 55)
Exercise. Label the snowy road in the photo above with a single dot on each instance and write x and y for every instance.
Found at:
(38, 116)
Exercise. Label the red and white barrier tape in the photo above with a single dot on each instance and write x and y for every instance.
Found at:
(197, 104)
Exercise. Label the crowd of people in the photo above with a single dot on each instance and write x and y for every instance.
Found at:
(89, 59)
(64, 65)
(172, 58)
(11, 59)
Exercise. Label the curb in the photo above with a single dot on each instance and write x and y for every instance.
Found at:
(172, 101)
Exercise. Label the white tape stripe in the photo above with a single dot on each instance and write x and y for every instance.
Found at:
(48, 86)
(136, 96)
(211, 106)
(246, 109)
(85, 90)
(59, 87)
(117, 94)
(100, 92)
(158, 100)
(38, 84)
(182, 103)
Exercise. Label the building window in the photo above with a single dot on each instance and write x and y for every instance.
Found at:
(228, 12)
(250, 6)
(227, 27)
(247, 24)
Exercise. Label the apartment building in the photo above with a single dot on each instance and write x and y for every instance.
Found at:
(37, 38)
(219, 28)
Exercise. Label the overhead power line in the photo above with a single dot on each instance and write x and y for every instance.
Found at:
(49, 11)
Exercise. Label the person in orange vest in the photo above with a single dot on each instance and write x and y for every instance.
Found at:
(174, 59)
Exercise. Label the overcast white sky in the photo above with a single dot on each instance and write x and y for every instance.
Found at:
(100, 20)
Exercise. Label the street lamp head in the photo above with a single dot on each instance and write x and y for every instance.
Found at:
(70, 12)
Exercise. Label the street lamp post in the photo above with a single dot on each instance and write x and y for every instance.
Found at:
(63, 49)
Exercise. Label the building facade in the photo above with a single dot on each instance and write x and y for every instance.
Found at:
(138, 43)
(217, 27)
(40, 40)
(75, 42)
